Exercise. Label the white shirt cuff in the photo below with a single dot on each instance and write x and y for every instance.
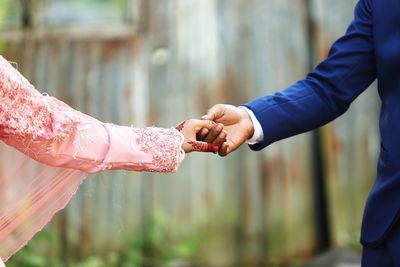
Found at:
(258, 135)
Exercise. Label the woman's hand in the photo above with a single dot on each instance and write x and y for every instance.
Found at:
(190, 129)
(237, 124)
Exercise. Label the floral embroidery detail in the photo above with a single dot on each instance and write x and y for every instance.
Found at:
(83, 139)
(164, 145)
(24, 111)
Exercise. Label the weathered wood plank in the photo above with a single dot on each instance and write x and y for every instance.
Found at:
(351, 142)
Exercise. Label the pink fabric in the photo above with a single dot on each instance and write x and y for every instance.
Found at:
(66, 145)
(30, 194)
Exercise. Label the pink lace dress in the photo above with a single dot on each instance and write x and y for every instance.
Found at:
(65, 146)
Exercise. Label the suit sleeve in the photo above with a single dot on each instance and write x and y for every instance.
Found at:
(327, 91)
(51, 132)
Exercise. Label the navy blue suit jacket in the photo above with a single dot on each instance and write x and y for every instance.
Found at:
(370, 49)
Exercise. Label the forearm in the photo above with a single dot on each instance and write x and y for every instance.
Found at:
(285, 116)
(53, 133)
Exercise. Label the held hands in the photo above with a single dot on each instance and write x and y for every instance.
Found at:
(223, 129)
(237, 125)
(190, 130)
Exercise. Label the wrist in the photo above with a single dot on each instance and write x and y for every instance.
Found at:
(186, 147)
(247, 123)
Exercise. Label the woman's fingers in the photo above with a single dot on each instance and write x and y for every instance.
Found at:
(202, 135)
(203, 146)
(203, 124)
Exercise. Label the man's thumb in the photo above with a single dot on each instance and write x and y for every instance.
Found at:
(214, 113)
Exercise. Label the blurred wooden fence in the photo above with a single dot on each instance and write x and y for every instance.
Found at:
(178, 58)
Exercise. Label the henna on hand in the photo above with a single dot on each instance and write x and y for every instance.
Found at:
(180, 126)
(190, 129)
(203, 147)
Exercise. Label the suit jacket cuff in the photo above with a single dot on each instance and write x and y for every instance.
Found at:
(258, 135)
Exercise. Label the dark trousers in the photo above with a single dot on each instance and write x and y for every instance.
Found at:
(387, 254)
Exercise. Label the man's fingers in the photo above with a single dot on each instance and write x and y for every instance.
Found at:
(203, 146)
(214, 132)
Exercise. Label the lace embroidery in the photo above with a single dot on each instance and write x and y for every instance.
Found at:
(30, 147)
(84, 139)
(24, 111)
(164, 145)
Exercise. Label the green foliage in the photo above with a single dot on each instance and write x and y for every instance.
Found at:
(3, 47)
(3, 10)
(10, 13)
(29, 255)
(153, 247)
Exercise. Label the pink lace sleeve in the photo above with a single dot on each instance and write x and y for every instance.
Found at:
(59, 147)
(53, 133)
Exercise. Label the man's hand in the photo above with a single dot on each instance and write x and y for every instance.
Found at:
(237, 124)
(190, 130)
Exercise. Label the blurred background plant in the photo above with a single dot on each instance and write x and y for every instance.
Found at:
(150, 248)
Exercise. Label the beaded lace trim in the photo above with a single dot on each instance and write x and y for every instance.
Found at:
(165, 146)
